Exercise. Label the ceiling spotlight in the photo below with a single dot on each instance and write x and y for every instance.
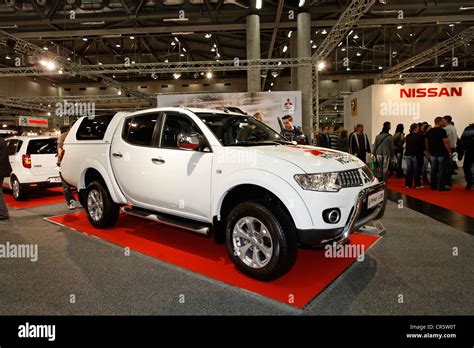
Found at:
(441, 66)
(271, 84)
(350, 33)
(343, 49)
(258, 4)
(119, 92)
(49, 113)
(184, 49)
(285, 48)
(279, 63)
(117, 45)
(68, 58)
(208, 36)
(356, 36)
(154, 76)
(45, 48)
(176, 76)
(301, 4)
(321, 66)
(176, 39)
(100, 63)
(348, 68)
(209, 75)
(324, 32)
(380, 67)
(173, 43)
(166, 60)
(394, 52)
(214, 45)
(133, 62)
(48, 64)
(451, 25)
(202, 73)
(314, 46)
(8, 57)
(60, 71)
(84, 39)
(213, 49)
(289, 33)
(399, 27)
(358, 54)
(132, 37)
(274, 73)
(218, 55)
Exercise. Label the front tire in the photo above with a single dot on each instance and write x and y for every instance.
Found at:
(262, 243)
(19, 190)
(101, 210)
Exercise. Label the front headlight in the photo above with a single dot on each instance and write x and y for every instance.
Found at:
(326, 182)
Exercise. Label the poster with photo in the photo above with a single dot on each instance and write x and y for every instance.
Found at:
(270, 104)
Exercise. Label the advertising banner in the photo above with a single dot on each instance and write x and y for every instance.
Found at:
(270, 104)
(26, 121)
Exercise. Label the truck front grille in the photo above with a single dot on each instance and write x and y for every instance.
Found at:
(349, 178)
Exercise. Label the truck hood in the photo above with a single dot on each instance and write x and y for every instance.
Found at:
(311, 159)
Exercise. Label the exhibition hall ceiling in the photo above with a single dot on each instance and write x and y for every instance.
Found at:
(93, 32)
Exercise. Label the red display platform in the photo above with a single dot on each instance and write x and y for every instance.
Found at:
(458, 199)
(36, 198)
(311, 274)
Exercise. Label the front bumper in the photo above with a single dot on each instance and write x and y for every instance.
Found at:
(359, 216)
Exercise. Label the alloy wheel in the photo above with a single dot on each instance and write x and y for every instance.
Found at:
(252, 242)
(95, 205)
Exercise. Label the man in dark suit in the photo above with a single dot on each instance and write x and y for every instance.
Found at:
(5, 170)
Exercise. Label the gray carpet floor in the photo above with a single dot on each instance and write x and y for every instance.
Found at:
(410, 271)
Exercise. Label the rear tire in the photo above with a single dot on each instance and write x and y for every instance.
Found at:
(101, 210)
(261, 242)
(19, 190)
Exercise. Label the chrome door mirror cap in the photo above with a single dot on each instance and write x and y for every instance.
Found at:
(189, 141)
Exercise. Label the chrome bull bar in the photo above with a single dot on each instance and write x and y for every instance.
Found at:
(354, 222)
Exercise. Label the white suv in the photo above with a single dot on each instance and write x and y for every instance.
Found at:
(34, 164)
(221, 173)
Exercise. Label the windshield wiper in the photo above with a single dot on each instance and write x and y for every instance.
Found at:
(253, 143)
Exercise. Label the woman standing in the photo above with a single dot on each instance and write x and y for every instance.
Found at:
(398, 142)
(413, 153)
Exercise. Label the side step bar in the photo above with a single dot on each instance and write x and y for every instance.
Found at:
(169, 220)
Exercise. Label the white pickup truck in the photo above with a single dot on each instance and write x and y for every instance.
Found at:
(221, 173)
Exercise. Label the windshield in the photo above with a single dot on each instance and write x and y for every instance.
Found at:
(234, 130)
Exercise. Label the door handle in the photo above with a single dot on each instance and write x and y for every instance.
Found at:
(117, 155)
(158, 160)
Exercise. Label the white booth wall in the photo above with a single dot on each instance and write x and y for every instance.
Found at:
(409, 103)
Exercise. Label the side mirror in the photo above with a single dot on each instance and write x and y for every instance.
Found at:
(189, 141)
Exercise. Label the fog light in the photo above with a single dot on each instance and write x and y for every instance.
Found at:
(332, 216)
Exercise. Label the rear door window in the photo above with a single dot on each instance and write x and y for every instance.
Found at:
(93, 128)
(42, 147)
(139, 130)
(12, 147)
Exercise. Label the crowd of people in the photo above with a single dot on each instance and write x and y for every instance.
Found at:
(430, 152)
